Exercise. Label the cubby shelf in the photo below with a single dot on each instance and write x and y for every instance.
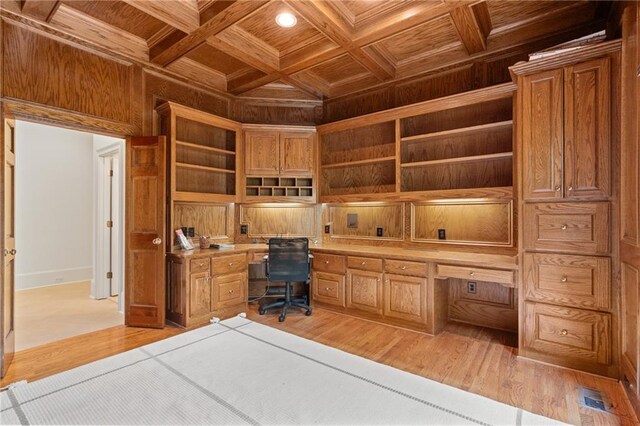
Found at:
(282, 187)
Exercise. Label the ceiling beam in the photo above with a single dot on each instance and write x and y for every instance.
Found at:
(180, 14)
(40, 9)
(473, 24)
(333, 26)
(218, 22)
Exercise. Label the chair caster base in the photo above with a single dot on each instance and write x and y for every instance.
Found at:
(308, 313)
(281, 318)
(262, 311)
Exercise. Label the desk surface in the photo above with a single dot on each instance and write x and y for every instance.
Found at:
(424, 255)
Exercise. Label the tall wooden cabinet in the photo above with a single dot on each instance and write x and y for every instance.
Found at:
(567, 139)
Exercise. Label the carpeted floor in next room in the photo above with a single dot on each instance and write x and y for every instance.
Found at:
(47, 314)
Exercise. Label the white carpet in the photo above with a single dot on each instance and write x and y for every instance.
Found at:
(239, 372)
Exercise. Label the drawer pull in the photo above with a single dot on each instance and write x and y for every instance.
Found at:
(326, 288)
(403, 267)
(230, 291)
(563, 227)
(564, 332)
(230, 263)
(363, 263)
(564, 279)
(326, 262)
(471, 273)
(570, 188)
(201, 263)
(557, 188)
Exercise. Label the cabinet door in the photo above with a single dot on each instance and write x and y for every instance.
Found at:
(364, 291)
(405, 298)
(587, 129)
(542, 135)
(296, 154)
(199, 294)
(229, 290)
(262, 152)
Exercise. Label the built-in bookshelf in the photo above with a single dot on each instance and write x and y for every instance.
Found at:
(295, 187)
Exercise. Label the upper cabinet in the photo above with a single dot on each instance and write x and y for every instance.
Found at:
(566, 130)
(279, 163)
(279, 153)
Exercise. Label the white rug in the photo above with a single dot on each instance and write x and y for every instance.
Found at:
(239, 372)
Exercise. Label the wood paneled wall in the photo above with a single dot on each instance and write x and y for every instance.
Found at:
(212, 220)
(389, 217)
(630, 204)
(277, 220)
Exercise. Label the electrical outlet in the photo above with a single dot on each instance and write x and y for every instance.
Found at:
(327, 229)
(442, 234)
(192, 232)
(471, 287)
(379, 232)
(244, 229)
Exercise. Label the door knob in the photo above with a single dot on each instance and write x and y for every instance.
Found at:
(12, 251)
(157, 241)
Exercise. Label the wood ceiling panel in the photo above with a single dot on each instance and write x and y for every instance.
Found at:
(339, 69)
(433, 35)
(506, 14)
(262, 25)
(121, 15)
(361, 10)
(197, 72)
(217, 60)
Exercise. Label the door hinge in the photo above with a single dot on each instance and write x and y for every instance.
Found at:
(109, 224)
(110, 173)
(109, 275)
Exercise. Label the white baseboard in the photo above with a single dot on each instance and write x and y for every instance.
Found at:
(56, 277)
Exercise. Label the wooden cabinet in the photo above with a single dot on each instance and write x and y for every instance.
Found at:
(566, 129)
(566, 134)
(275, 153)
(328, 288)
(481, 274)
(204, 286)
(364, 284)
(405, 298)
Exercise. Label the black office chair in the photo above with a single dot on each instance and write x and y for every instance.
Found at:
(288, 262)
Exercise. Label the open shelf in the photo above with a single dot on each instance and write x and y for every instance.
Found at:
(205, 168)
(367, 178)
(281, 187)
(455, 160)
(358, 162)
(203, 148)
(507, 124)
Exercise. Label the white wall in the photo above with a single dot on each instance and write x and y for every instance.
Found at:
(54, 205)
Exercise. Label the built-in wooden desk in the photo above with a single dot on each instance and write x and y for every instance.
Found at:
(404, 287)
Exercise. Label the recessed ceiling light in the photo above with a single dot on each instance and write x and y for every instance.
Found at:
(286, 20)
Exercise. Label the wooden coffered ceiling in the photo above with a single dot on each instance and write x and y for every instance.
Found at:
(337, 47)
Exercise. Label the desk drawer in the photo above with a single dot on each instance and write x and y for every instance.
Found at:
(257, 257)
(364, 263)
(404, 267)
(479, 274)
(329, 263)
(200, 265)
(328, 288)
(229, 264)
(582, 227)
(229, 290)
(568, 333)
(580, 281)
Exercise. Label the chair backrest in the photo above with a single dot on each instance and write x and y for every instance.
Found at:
(288, 260)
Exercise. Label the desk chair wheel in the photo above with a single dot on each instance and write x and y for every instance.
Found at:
(262, 311)
(308, 313)
(281, 318)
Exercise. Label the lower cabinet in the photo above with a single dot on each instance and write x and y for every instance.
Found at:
(364, 291)
(328, 288)
(405, 298)
(203, 287)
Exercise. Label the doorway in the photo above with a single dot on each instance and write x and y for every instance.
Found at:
(66, 244)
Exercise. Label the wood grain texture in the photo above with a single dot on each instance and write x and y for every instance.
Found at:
(274, 220)
(483, 222)
(390, 217)
(212, 220)
(405, 298)
(493, 305)
(473, 23)
(364, 291)
(40, 9)
(33, 73)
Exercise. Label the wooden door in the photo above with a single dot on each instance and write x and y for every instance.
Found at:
(542, 135)
(9, 248)
(364, 290)
(328, 288)
(587, 129)
(405, 298)
(630, 206)
(261, 154)
(145, 232)
(296, 154)
(228, 290)
(199, 294)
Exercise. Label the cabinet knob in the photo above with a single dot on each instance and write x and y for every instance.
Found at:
(472, 273)
(570, 188)
(326, 288)
(230, 263)
(326, 262)
(557, 188)
(230, 291)
(563, 227)
(363, 263)
(201, 263)
(564, 332)
(564, 279)
(403, 267)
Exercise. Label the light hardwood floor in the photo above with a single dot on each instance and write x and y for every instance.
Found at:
(475, 359)
(47, 314)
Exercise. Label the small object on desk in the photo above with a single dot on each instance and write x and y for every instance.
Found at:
(225, 246)
(184, 242)
(204, 242)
